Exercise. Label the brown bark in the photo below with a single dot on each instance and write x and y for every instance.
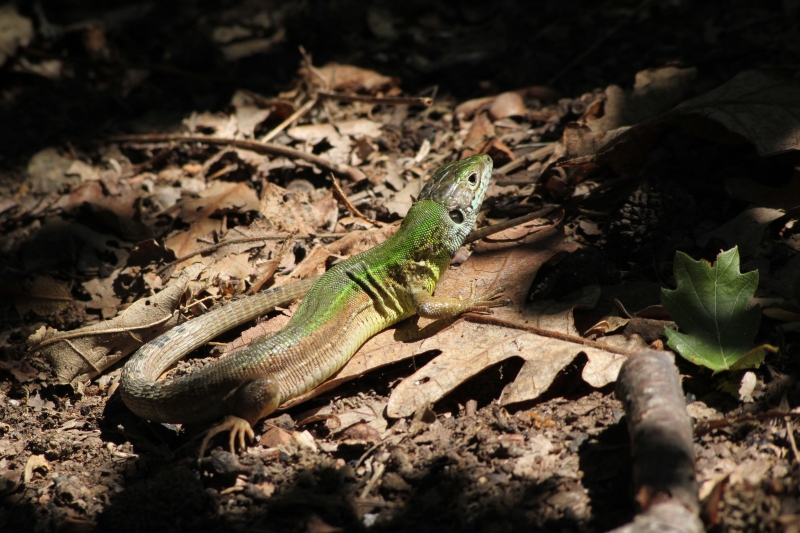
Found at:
(661, 445)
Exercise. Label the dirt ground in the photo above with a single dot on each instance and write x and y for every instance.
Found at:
(92, 221)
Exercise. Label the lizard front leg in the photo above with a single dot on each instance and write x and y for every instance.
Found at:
(429, 306)
(247, 404)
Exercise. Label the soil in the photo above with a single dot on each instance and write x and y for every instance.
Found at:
(74, 459)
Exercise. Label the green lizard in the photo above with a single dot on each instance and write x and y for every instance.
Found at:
(351, 302)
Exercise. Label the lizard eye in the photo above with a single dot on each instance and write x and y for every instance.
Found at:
(457, 216)
(472, 179)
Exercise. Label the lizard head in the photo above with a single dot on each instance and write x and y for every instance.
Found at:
(460, 187)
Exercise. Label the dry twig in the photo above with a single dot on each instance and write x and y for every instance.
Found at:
(421, 101)
(256, 146)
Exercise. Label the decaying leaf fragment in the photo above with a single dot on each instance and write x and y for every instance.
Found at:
(710, 308)
(94, 348)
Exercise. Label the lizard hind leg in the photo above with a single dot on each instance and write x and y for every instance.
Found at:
(247, 404)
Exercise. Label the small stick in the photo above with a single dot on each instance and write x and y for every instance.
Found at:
(342, 198)
(479, 234)
(305, 108)
(662, 450)
(706, 426)
(421, 101)
(541, 153)
(256, 146)
(488, 319)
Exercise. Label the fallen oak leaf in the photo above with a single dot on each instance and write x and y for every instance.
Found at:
(46, 295)
(94, 348)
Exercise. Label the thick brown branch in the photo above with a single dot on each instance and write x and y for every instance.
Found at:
(661, 444)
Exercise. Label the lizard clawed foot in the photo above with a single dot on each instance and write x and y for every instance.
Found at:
(239, 427)
(484, 303)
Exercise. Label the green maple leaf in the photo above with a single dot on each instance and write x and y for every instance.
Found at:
(710, 308)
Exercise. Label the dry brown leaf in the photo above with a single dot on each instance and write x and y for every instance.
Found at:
(469, 348)
(188, 242)
(21, 370)
(401, 201)
(481, 129)
(499, 152)
(761, 106)
(351, 244)
(290, 210)
(602, 368)
(608, 325)
(508, 104)
(88, 192)
(213, 124)
(466, 110)
(45, 296)
(47, 171)
(361, 127)
(221, 196)
(655, 91)
(745, 231)
(230, 266)
(339, 77)
(312, 133)
(94, 348)
(369, 412)
(248, 117)
(103, 296)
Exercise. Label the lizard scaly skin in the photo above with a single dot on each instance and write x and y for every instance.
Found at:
(351, 302)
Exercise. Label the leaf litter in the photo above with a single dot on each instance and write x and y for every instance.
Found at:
(241, 213)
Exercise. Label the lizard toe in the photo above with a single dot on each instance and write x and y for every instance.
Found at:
(238, 427)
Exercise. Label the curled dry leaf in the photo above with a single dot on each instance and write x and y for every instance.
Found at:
(92, 349)
(506, 105)
(339, 77)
